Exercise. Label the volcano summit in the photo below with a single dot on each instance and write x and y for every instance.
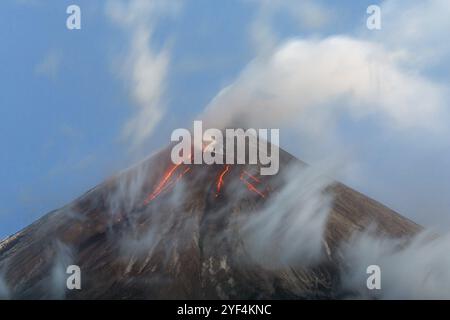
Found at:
(214, 147)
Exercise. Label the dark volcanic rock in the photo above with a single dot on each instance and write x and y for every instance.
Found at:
(140, 236)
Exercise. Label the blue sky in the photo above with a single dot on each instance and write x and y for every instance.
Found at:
(60, 130)
(66, 95)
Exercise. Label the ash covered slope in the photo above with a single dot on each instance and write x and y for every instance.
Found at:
(164, 231)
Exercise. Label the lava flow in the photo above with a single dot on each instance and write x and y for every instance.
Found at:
(166, 182)
(251, 186)
(220, 179)
(170, 178)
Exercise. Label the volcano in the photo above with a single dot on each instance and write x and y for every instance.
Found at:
(165, 231)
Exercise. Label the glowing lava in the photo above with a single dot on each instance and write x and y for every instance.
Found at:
(175, 172)
(166, 182)
(251, 186)
(220, 179)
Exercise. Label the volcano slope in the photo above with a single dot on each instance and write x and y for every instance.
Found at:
(164, 231)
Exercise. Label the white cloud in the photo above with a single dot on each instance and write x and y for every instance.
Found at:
(308, 84)
(145, 68)
(304, 83)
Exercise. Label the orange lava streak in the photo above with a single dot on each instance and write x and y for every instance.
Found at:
(251, 187)
(220, 179)
(251, 177)
(173, 182)
(165, 182)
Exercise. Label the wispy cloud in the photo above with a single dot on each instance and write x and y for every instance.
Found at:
(289, 230)
(62, 259)
(306, 15)
(145, 67)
